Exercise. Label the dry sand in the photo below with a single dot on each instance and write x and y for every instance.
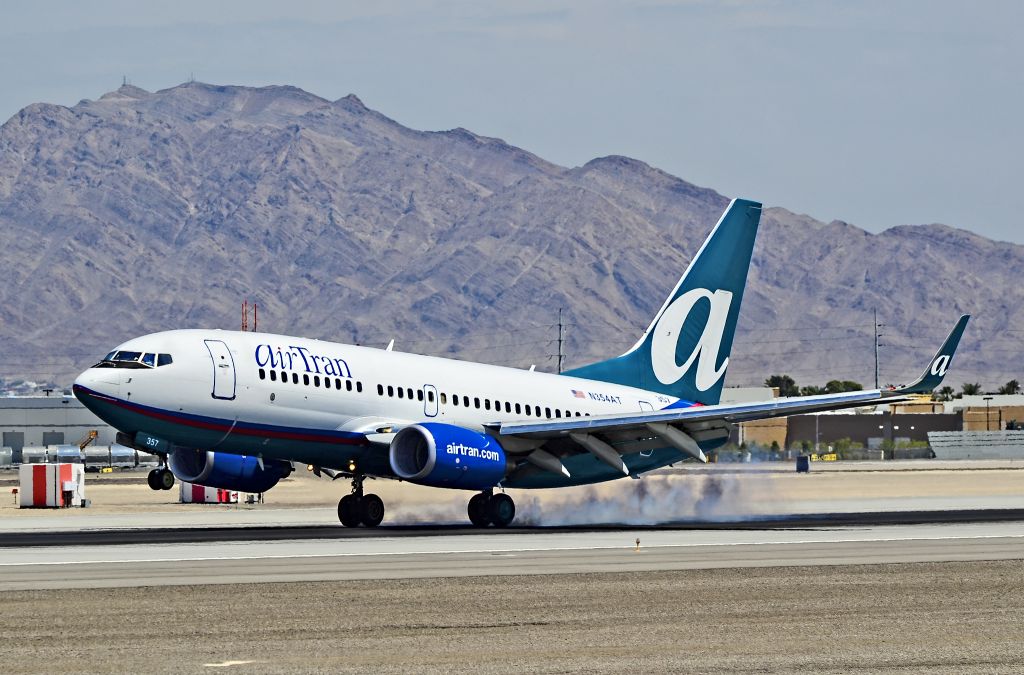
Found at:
(941, 617)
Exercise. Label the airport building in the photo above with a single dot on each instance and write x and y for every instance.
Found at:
(38, 424)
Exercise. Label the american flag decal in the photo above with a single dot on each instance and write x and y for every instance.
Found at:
(578, 394)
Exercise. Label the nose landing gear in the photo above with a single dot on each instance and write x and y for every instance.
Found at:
(488, 508)
(357, 508)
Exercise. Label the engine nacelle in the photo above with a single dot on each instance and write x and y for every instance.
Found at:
(226, 471)
(442, 455)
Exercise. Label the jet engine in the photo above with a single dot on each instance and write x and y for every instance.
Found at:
(226, 471)
(443, 455)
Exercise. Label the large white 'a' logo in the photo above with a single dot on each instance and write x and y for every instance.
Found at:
(705, 352)
(939, 365)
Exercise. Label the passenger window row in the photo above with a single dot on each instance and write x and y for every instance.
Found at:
(316, 380)
(476, 402)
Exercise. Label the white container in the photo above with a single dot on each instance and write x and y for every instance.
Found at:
(201, 494)
(51, 485)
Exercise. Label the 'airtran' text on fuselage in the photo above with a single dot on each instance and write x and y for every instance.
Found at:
(298, 358)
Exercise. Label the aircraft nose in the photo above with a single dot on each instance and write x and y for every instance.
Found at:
(94, 381)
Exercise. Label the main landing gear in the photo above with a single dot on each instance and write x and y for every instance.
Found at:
(357, 508)
(160, 479)
(488, 508)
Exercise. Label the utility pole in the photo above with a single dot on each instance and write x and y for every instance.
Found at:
(877, 335)
(559, 339)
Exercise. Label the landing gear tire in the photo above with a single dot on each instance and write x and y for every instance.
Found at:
(371, 510)
(478, 510)
(165, 479)
(160, 479)
(348, 511)
(501, 510)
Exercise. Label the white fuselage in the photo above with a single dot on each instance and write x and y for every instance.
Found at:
(219, 393)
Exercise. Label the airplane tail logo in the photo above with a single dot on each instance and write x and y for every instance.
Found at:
(664, 341)
(939, 364)
(685, 351)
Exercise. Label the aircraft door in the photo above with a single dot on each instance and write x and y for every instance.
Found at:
(430, 400)
(223, 370)
(646, 407)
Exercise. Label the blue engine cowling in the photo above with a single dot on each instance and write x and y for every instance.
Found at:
(442, 455)
(226, 471)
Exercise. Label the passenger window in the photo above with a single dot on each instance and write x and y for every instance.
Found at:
(455, 399)
(380, 390)
(408, 392)
(284, 377)
(558, 413)
(419, 394)
(263, 374)
(527, 410)
(359, 387)
(536, 410)
(149, 360)
(444, 398)
(465, 401)
(487, 403)
(568, 414)
(163, 360)
(391, 391)
(295, 378)
(547, 413)
(518, 409)
(316, 380)
(348, 385)
(337, 383)
(508, 407)
(273, 375)
(430, 396)
(401, 393)
(476, 402)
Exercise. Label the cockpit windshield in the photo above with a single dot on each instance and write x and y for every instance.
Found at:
(126, 359)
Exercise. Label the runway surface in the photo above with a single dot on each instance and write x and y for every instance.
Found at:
(405, 553)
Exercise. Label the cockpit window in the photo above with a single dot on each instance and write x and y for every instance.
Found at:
(126, 359)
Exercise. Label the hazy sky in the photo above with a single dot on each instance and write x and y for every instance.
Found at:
(877, 113)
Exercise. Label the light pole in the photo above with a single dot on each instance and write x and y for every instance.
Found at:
(986, 400)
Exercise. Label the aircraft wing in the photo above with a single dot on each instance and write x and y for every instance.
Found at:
(608, 436)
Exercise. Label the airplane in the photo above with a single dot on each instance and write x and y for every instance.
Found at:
(238, 410)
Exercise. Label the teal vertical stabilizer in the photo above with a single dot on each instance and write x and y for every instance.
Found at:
(685, 351)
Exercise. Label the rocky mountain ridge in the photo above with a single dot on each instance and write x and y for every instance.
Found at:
(143, 211)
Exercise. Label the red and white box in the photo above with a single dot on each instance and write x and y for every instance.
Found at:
(51, 485)
(200, 494)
